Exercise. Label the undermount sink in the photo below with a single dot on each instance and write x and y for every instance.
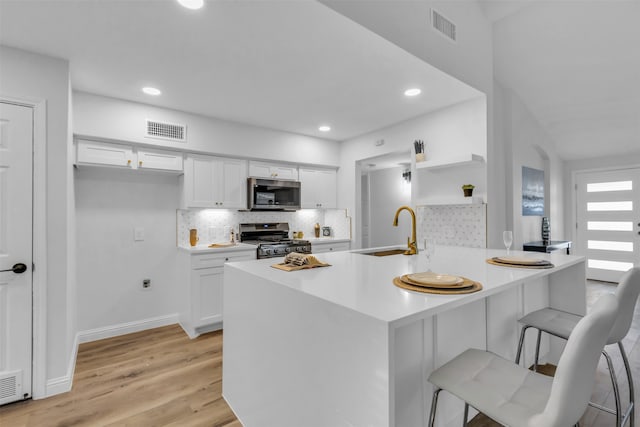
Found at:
(385, 253)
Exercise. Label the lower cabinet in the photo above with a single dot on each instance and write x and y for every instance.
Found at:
(320, 247)
(202, 302)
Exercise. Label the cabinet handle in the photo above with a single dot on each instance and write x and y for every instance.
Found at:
(226, 259)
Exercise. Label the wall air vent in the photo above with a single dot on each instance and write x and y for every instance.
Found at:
(10, 387)
(161, 130)
(443, 25)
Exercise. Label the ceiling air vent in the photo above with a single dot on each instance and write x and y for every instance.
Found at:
(171, 131)
(443, 25)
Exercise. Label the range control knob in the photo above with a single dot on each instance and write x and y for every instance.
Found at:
(287, 250)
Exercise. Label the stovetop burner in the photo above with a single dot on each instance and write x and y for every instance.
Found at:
(272, 239)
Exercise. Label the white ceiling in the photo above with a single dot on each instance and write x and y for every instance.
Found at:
(280, 64)
(576, 65)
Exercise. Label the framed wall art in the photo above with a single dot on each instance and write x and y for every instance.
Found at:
(532, 192)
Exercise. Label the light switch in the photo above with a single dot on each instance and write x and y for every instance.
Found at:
(138, 234)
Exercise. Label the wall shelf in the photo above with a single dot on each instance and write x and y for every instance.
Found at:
(458, 161)
(452, 201)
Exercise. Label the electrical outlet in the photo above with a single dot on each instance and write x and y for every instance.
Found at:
(146, 283)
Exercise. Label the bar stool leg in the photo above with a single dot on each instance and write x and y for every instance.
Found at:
(466, 414)
(627, 368)
(535, 362)
(520, 343)
(616, 391)
(434, 403)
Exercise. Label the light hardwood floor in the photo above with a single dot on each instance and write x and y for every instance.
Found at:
(162, 378)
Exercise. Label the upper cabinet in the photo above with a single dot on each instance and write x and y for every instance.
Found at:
(159, 160)
(214, 182)
(272, 170)
(98, 153)
(121, 155)
(319, 188)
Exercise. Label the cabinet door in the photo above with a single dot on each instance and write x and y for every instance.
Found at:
(206, 303)
(159, 160)
(327, 189)
(273, 171)
(234, 183)
(285, 172)
(259, 170)
(199, 182)
(318, 188)
(308, 191)
(98, 153)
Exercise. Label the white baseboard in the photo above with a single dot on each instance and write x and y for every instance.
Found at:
(127, 328)
(63, 384)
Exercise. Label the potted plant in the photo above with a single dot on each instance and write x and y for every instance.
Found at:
(468, 189)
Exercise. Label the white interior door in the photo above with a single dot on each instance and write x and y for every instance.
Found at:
(16, 147)
(608, 222)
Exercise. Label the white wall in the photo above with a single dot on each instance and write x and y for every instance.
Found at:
(40, 78)
(388, 192)
(111, 265)
(108, 118)
(529, 145)
(453, 130)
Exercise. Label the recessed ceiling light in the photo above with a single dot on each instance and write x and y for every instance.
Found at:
(192, 4)
(324, 128)
(151, 91)
(412, 92)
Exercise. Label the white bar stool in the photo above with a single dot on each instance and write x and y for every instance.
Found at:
(518, 397)
(561, 324)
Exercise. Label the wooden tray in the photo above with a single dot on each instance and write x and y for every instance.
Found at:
(502, 264)
(470, 287)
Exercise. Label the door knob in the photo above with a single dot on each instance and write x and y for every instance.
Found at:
(17, 268)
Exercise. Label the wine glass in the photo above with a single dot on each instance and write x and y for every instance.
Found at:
(507, 238)
(429, 249)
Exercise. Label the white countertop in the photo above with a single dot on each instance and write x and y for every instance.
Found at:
(364, 283)
(205, 249)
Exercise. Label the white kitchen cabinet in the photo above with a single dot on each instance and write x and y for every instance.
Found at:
(98, 153)
(202, 302)
(127, 156)
(214, 182)
(330, 246)
(159, 160)
(319, 188)
(272, 170)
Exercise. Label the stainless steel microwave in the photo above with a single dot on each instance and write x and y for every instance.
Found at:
(273, 195)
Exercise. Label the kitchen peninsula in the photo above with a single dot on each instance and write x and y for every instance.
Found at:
(342, 346)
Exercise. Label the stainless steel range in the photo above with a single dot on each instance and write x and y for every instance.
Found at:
(272, 239)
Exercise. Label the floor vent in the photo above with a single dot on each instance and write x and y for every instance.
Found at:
(10, 387)
(443, 25)
(161, 130)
